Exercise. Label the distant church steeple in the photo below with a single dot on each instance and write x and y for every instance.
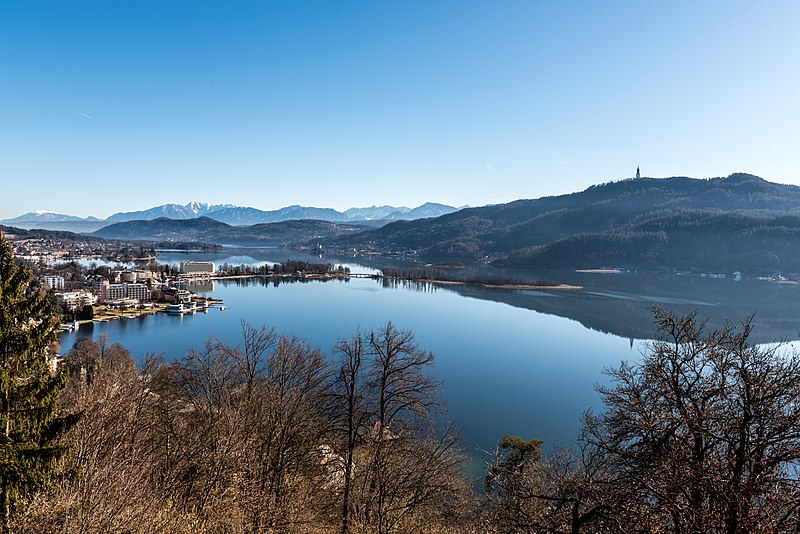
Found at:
(637, 172)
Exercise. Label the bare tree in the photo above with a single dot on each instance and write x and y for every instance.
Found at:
(569, 491)
(402, 391)
(246, 424)
(291, 425)
(701, 435)
(256, 343)
(112, 489)
(247, 438)
(705, 431)
(348, 398)
(400, 469)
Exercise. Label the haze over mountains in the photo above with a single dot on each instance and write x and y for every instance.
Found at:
(47, 216)
(229, 214)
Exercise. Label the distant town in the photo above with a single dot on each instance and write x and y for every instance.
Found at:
(100, 280)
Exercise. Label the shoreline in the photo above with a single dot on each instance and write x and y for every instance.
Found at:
(104, 316)
(558, 287)
(311, 276)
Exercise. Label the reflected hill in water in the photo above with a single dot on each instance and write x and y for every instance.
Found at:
(619, 304)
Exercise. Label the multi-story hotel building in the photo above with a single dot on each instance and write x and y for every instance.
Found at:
(54, 282)
(74, 300)
(197, 267)
(139, 292)
(100, 288)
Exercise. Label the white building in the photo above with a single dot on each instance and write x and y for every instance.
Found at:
(128, 291)
(138, 275)
(74, 300)
(100, 288)
(143, 275)
(138, 291)
(115, 291)
(54, 282)
(197, 267)
(123, 303)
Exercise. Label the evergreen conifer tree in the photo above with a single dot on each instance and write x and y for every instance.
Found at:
(30, 422)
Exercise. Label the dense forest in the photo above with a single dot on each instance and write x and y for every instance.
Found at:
(210, 230)
(21, 233)
(685, 240)
(702, 434)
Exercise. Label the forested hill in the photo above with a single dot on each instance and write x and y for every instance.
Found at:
(637, 218)
(22, 233)
(210, 230)
(709, 240)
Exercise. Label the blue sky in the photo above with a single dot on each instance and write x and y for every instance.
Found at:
(122, 105)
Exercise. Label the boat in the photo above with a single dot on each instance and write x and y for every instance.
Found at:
(174, 309)
(181, 308)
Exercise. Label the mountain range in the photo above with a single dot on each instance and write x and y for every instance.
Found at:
(48, 216)
(229, 214)
(173, 211)
(736, 223)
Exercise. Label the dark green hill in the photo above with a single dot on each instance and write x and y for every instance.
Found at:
(22, 233)
(164, 228)
(210, 230)
(574, 226)
(686, 240)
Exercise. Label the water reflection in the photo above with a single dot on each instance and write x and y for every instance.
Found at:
(273, 281)
(198, 286)
(254, 257)
(619, 304)
(614, 303)
(414, 285)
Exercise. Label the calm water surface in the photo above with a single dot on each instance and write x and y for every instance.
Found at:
(505, 369)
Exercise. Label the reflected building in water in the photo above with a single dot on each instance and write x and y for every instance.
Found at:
(199, 286)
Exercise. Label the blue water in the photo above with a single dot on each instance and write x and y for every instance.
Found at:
(504, 369)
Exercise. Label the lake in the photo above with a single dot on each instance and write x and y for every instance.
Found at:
(512, 361)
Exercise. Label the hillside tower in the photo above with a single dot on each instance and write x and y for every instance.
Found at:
(637, 172)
